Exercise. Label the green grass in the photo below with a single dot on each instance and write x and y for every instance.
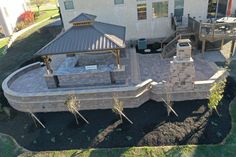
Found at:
(51, 4)
(46, 14)
(3, 43)
(8, 147)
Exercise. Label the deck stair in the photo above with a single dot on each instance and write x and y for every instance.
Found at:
(169, 49)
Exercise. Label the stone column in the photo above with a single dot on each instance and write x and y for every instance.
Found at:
(182, 70)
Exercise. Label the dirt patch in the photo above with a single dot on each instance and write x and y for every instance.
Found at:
(195, 125)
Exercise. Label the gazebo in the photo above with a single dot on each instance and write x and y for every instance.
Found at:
(86, 36)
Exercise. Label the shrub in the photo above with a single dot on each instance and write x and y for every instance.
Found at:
(20, 25)
(156, 45)
(24, 20)
(27, 17)
(36, 14)
(216, 94)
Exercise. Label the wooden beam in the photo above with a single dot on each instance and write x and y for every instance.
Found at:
(117, 55)
(222, 43)
(47, 60)
(203, 46)
(232, 48)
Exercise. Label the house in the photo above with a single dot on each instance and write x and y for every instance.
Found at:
(10, 10)
(144, 18)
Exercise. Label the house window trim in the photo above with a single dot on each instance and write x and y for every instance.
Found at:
(72, 3)
(121, 4)
(141, 3)
(156, 17)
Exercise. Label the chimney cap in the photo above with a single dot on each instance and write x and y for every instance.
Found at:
(184, 43)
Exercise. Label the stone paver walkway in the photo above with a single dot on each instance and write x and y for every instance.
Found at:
(154, 67)
(134, 66)
(141, 67)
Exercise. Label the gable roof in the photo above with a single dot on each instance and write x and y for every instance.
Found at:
(83, 17)
(78, 39)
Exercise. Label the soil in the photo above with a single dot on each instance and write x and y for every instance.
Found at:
(195, 124)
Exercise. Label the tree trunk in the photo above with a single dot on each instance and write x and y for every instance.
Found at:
(38, 10)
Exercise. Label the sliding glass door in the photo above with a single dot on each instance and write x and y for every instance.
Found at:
(217, 8)
(179, 9)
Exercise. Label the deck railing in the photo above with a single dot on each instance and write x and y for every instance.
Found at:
(217, 31)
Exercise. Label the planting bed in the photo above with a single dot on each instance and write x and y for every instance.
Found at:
(152, 127)
(153, 47)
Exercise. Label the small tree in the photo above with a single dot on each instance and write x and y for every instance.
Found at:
(39, 3)
(118, 109)
(168, 99)
(73, 105)
(216, 95)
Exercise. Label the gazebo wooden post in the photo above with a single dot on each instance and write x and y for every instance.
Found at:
(232, 48)
(47, 60)
(117, 55)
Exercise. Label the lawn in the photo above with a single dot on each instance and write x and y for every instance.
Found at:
(8, 147)
(3, 43)
(50, 4)
(44, 14)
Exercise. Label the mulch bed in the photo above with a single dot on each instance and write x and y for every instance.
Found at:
(152, 127)
(153, 47)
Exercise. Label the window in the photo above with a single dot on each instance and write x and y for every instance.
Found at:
(217, 8)
(69, 4)
(160, 9)
(142, 11)
(118, 2)
(179, 10)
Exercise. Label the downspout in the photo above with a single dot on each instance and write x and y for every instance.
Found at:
(217, 8)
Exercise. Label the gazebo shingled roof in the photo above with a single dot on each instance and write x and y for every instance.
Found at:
(95, 36)
(83, 17)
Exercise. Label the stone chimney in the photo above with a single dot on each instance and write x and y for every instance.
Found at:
(182, 70)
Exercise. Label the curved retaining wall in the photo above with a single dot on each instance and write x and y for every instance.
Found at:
(53, 101)
(90, 99)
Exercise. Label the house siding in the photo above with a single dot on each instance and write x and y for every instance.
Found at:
(126, 15)
(14, 9)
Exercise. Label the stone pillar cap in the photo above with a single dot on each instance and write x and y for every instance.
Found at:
(184, 41)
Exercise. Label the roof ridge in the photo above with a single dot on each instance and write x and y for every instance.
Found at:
(86, 15)
(108, 36)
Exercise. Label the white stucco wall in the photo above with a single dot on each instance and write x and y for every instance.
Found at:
(126, 15)
(14, 9)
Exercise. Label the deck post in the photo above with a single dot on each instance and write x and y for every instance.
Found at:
(203, 46)
(47, 60)
(222, 43)
(118, 58)
(232, 48)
